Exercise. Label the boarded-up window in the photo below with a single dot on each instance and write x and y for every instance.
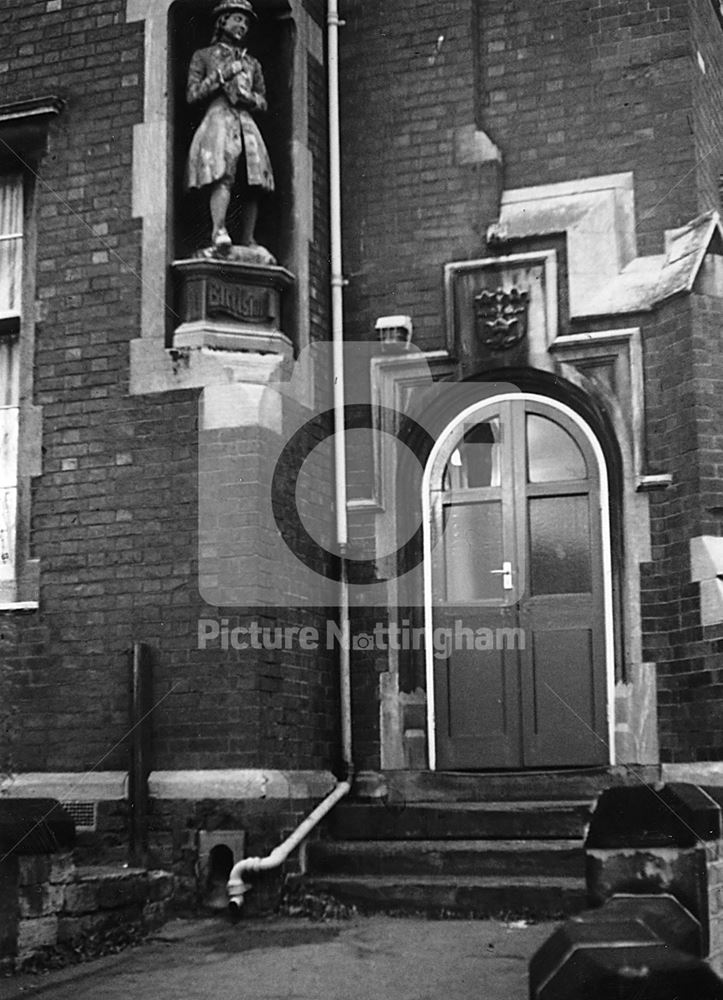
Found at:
(11, 257)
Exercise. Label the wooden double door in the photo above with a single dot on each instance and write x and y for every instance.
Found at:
(519, 596)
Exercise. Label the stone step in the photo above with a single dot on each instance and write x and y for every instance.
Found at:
(447, 857)
(537, 820)
(438, 896)
(506, 786)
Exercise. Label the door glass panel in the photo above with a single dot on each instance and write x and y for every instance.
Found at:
(472, 543)
(560, 545)
(553, 456)
(475, 462)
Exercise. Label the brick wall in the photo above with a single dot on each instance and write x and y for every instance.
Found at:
(683, 381)
(114, 514)
(173, 839)
(410, 204)
(707, 42)
(565, 93)
(574, 90)
(319, 250)
(565, 90)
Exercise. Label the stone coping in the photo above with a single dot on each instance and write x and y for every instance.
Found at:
(112, 786)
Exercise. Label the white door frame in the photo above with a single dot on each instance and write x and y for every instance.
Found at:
(604, 512)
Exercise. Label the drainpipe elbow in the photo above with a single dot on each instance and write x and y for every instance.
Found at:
(236, 888)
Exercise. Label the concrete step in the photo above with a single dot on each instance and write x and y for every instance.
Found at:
(437, 896)
(538, 820)
(506, 786)
(447, 857)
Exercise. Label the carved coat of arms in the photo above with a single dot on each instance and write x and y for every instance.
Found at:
(501, 317)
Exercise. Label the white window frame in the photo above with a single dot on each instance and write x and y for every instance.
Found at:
(11, 309)
(24, 134)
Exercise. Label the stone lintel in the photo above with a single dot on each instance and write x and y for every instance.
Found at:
(24, 124)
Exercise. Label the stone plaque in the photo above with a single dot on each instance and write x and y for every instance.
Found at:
(502, 311)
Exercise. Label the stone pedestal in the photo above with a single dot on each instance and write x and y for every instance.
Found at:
(660, 839)
(228, 305)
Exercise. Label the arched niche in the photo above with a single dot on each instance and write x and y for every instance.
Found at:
(272, 41)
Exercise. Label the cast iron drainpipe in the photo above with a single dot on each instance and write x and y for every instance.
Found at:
(236, 887)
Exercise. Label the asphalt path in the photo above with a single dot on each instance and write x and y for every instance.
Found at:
(365, 958)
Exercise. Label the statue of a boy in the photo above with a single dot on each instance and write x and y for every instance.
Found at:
(228, 138)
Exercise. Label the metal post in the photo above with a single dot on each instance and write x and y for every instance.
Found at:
(141, 703)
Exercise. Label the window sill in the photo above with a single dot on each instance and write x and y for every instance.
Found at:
(19, 606)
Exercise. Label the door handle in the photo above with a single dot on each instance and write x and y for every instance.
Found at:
(506, 574)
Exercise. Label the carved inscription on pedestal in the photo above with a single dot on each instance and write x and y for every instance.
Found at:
(250, 305)
(221, 300)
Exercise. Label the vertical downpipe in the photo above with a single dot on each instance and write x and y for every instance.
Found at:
(337, 330)
(141, 701)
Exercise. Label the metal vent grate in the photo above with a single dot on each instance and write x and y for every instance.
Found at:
(84, 814)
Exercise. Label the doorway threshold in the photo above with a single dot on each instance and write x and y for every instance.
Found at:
(479, 786)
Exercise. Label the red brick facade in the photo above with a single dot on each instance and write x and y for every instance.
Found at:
(114, 514)
(566, 92)
(445, 106)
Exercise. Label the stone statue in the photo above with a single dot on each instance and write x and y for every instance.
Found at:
(227, 147)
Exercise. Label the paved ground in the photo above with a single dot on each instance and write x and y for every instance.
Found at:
(372, 958)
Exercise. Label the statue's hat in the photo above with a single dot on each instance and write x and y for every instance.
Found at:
(227, 6)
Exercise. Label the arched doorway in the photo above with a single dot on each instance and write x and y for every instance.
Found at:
(518, 597)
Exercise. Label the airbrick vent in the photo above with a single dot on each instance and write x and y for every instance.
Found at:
(84, 814)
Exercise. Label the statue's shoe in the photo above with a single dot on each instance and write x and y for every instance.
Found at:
(254, 253)
(222, 240)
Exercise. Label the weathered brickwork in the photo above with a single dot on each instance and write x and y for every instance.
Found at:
(707, 34)
(114, 514)
(411, 201)
(565, 91)
(684, 380)
(174, 827)
(575, 90)
(319, 250)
